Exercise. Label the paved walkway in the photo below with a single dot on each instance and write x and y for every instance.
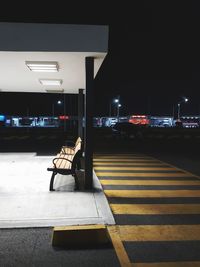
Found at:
(157, 210)
(25, 199)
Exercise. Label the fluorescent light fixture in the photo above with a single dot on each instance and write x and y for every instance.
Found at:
(42, 66)
(50, 82)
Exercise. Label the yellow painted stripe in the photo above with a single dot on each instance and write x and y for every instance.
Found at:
(155, 208)
(149, 182)
(128, 163)
(159, 232)
(123, 157)
(118, 246)
(80, 235)
(118, 154)
(150, 159)
(152, 193)
(168, 264)
(189, 173)
(79, 227)
(142, 174)
(126, 160)
(136, 168)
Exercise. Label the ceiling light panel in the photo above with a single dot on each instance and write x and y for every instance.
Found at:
(54, 90)
(43, 66)
(50, 82)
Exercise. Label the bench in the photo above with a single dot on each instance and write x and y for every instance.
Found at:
(66, 164)
(71, 147)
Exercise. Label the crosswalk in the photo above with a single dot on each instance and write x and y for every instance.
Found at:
(156, 207)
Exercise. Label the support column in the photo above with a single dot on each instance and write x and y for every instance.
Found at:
(88, 136)
(64, 113)
(80, 113)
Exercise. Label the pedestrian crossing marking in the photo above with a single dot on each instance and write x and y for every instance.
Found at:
(96, 155)
(118, 246)
(123, 156)
(141, 174)
(167, 264)
(136, 168)
(180, 169)
(159, 232)
(140, 170)
(105, 164)
(126, 160)
(149, 182)
(153, 209)
(152, 193)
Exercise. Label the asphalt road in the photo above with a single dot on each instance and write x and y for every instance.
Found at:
(155, 206)
(187, 161)
(32, 247)
(179, 148)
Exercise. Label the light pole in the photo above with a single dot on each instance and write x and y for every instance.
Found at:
(110, 109)
(117, 101)
(57, 102)
(118, 107)
(173, 112)
(185, 100)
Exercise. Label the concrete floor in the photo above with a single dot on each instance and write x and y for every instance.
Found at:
(25, 200)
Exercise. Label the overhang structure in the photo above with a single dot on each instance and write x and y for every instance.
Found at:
(79, 51)
(68, 45)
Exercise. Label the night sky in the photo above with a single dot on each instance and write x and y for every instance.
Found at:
(151, 61)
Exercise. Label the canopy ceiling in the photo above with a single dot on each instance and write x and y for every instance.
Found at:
(66, 44)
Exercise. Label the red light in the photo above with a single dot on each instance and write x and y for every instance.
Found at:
(63, 117)
(138, 116)
(139, 119)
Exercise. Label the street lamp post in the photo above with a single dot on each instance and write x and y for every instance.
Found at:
(185, 100)
(53, 109)
(179, 107)
(110, 109)
(118, 107)
(173, 111)
(117, 101)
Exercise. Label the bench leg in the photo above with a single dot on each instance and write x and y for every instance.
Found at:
(51, 182)
(76, 181)
(78, 164)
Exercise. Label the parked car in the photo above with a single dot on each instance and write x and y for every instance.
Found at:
(126, 130)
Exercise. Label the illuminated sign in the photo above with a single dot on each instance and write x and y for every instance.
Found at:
(63, 117)
(139, 119)
(2, 118)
